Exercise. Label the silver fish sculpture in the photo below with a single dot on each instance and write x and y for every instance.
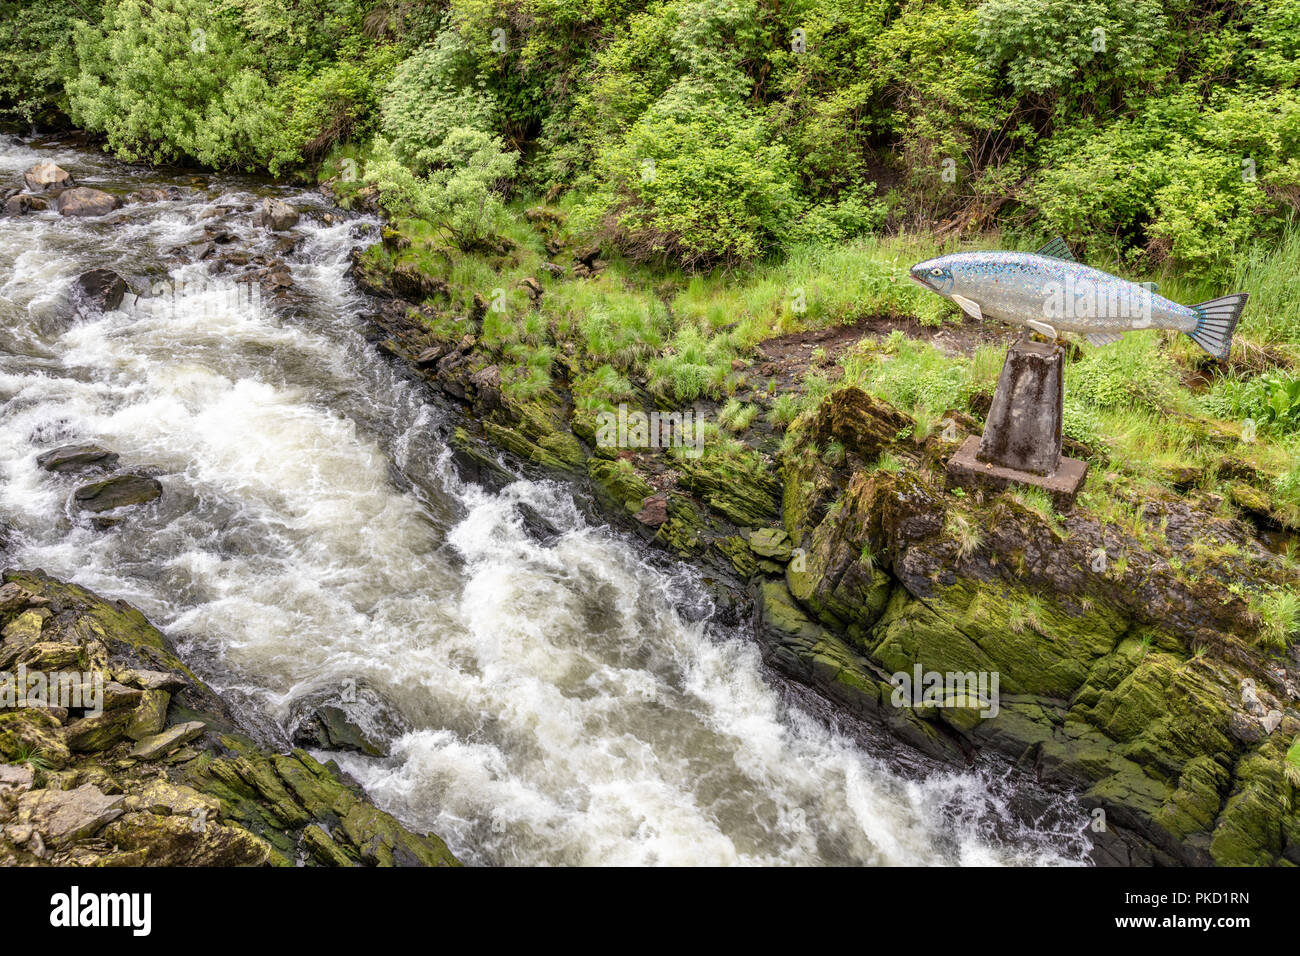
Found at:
(1049, 292)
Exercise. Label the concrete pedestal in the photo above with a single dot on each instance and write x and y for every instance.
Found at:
(1021, 443)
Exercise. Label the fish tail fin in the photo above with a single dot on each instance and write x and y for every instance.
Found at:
(1216, 320)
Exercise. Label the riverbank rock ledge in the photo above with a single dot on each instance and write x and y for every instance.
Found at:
(45, 176)
(83, 201)
(160, 774)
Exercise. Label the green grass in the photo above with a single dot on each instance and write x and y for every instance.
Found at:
(1279, 614)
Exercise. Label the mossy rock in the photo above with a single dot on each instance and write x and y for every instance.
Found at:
(736, 550)
(617, 484)
(770, 543)
(742, 488)
(804, 648)
(1036, 645)
(863, 425)
(686, 530)
(29, 732)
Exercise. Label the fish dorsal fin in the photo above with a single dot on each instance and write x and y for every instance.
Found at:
(1103, 338)
(1057, 249)
(1152, 287)
(969, 306)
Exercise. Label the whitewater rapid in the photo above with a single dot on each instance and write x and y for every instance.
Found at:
(562, 698)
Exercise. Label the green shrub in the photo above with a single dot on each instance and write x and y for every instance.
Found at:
(36, 55)
(322, 110)
(432, 93)
(696, 180)
(461, 197)
(1128, 375)
(1044, 46)
(166, 81)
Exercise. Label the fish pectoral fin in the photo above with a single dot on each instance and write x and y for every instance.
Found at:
(1057, 249)
(1103, 338)
(968, 306)
(1042, 328)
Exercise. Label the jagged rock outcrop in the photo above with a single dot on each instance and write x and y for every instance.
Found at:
(1130, 667)
(135, 762)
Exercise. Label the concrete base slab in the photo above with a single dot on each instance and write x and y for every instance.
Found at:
(965, 470)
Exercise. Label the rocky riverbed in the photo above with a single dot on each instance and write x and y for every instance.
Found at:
(1141, 682)
(194, 419)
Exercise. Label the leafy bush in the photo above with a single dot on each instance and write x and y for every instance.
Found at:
(1271, 401)
(462, 196)
(322, 110)
(165, 81)
(696, 180)
(36, 55)
(433, 92)
(1045, 45)
(853, 214)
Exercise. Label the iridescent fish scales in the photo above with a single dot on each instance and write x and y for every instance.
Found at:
(1050, 293)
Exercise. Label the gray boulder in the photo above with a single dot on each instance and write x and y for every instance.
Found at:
(84, 201)
(68, 458)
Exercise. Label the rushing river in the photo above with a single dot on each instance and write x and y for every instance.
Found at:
(563, 699)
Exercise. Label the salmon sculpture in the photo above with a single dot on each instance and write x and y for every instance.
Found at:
(1049, 292)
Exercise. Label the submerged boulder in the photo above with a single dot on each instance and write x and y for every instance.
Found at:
(120, 491)
(84, 201)
(152, 194)
(365, 722)
(47, 175)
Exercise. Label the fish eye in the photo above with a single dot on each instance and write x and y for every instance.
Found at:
(936, 272)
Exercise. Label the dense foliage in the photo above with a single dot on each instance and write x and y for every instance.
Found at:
(713, 131)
